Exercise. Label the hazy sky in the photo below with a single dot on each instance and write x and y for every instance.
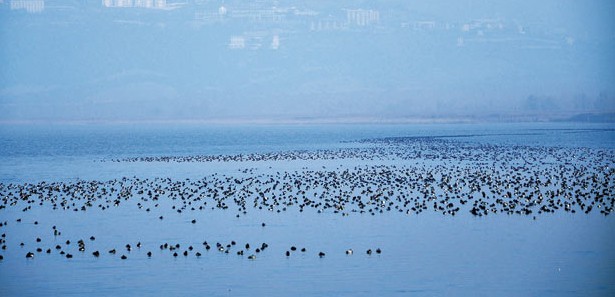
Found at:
(205, 60)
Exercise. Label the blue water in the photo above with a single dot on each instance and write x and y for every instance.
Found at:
(558, 254)
(114, 140)
(33, 153)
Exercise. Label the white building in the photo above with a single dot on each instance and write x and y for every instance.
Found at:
(275, 42)
(237, 42)
(256, 15)
(31, 6)
(362, 17)
(135, 3)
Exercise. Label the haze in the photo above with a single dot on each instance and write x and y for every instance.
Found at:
(305, 61)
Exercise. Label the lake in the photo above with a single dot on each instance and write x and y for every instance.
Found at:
(428, 210)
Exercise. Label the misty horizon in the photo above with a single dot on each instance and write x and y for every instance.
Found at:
(300, 61)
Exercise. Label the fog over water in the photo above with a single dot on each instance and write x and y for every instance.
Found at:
(289, 61)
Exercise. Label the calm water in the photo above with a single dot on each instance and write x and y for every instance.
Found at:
(559, 254)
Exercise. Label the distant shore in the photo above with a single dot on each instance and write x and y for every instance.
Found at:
(595, 117)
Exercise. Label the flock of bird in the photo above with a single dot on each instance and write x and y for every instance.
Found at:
(447, 177)
(67, 249)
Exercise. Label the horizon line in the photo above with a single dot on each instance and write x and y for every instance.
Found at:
(609, 118)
